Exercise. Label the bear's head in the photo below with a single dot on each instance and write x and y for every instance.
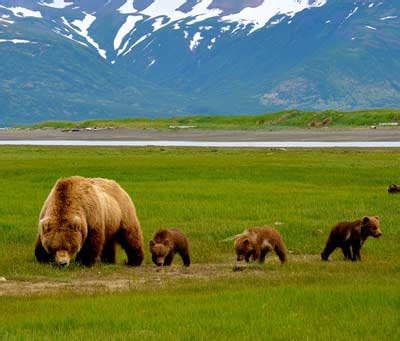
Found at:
(63, 240)
(159, 250)
(370, 227)
(244, 247)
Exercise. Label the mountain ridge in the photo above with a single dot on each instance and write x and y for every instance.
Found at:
(66, 59)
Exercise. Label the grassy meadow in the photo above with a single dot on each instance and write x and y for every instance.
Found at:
(279, 120)
(211, 194)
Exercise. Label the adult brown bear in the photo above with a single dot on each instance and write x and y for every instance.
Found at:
(86, 217)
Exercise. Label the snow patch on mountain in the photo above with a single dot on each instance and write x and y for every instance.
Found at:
(17, 41)
(212, 42)
(351, 13)
(59, 4)
(81, 27)
(125, 29)
(158, 23)
(259, 16)
(195, 42)
(5, 19)
(201, 12)
(22, 12)
(127, 8)
(69, 36)
(124, 47)
(141, 39)
(389, 17)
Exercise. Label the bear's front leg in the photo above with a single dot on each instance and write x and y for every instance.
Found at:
(41, 254)
(356, 247)
(91, 249)
(256, 254)
(168, 260)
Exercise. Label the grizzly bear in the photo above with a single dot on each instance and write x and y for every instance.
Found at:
(257, 242)
(165, 244)
(350, 237)
(394, 189)
(86, 217)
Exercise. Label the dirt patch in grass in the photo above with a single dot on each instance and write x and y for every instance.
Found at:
(299, 268)
(145, 277)
(121, 280)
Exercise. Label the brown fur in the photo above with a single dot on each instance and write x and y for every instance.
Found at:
(86, 217)
(393, 189)
(255, 243)
(165, 244)
(350, 237)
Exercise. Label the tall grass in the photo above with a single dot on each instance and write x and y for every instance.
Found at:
(286, 119)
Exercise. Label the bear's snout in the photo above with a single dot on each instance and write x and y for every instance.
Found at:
(62, 258)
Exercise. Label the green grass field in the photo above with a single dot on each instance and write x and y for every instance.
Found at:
(280, 120)
(210, 194)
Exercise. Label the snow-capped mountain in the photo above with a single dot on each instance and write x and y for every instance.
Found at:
(86, 58)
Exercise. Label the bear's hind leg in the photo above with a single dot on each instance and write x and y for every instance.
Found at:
(108, 255)
(346, 250)
(132, 243)
(329, 248)
(281, 252)
(185, 258)
(41, 254)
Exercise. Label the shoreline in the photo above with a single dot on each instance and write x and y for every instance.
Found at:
(204, 136)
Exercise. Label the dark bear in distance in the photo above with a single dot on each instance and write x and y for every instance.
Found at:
(86, 217)
(165, 244)
(394, 189)
(257, 242)
(350, 237)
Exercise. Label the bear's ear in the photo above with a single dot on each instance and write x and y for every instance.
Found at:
(151, 243)
(44, 224)
(376, 217)
(246, 241)
(365, 220)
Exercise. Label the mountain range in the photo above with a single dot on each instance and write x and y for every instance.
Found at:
(78, 59)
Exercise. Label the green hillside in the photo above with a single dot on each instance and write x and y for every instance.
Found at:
(279, 120)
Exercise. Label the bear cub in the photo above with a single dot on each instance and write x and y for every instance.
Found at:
(165, 244)
(393, 189)
(350, 237)
(255, 243)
